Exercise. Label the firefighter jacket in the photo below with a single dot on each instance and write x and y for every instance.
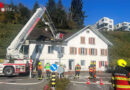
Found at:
(77, 68)
(39, 67)
(90, 69)
(47, 67)
(120, 79)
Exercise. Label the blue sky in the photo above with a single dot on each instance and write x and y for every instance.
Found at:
(119, 10)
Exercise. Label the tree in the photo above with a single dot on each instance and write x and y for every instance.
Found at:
(76, 12)
(24, 12)
(61, 16)
(36, 5)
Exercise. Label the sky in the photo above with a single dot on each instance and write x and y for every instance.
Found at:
(119, 10)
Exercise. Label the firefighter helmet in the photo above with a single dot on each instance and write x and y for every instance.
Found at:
(39, 63)
(121, 62)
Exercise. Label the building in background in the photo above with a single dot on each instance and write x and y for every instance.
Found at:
(105, 24)
(125, 26)
(83, 47)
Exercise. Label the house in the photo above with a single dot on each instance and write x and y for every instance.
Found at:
(83, 47)
(105, 24)
(124, 26)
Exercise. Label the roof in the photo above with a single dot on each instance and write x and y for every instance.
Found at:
(40, 35)
(94, 30)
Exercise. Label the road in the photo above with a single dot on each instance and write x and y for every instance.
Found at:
(21, 83)
(25, 83)
(80, 84)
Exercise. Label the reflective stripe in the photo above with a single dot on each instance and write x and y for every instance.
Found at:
(53, 83)
(113, 85)
(53, 79)
(123, 86)
(53, 75)
(122, 78)
(113, 78)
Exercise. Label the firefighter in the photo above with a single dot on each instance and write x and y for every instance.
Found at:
(62, 74)
(40, 77)
(91, 71)
(94, 71)
(48, 71)
(120, 76)
(77, 70)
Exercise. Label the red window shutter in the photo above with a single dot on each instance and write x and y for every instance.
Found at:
(95, 51)
(101, 51)
(105, 52)
(75, 50)
(85, 51)
(106, 64)
(79, 51)
(93, 40)
(89, 40)
(70, 50)
(99, 64)
(89, 51)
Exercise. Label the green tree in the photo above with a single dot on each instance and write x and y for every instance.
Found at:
(76, 12)
(51, 9)
(24, 12)
(36, 5)
(61, 16)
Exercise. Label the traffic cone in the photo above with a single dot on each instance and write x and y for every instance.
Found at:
(101, 82)
(88, 82)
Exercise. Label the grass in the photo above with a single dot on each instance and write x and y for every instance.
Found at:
(61, 84)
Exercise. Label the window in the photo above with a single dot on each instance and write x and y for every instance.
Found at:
(102, 19)
(102, 63)
(24, 49)
(73, 50)
(104, 52)
(82, 40)
(91, 40)
(105, 24)
(110, 21)
(110, 26)
(83, 51)
(37, 48)
(50, 49)
(82, 62)
(92, 51)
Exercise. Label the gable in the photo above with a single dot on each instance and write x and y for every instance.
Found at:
(90, 29)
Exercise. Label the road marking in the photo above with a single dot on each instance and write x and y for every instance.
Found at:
(22, 83)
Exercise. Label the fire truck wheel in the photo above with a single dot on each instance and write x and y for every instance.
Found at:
(8, 71)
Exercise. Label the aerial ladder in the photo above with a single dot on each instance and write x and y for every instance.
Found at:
(17, 61)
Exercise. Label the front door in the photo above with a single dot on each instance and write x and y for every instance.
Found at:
(71, 64)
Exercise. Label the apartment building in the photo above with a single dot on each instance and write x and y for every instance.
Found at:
(124, 26)
(105, 23)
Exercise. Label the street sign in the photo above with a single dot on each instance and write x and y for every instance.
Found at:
(60, 69)
(53, 67)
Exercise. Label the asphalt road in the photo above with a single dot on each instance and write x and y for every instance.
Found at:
(80, 84)
(21, 83)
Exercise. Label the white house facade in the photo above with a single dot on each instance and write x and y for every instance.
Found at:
(83, 47)
(106, 24)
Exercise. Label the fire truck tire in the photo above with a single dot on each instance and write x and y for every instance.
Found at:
(8, 71)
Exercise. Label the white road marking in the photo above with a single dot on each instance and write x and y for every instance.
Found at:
(22, 83)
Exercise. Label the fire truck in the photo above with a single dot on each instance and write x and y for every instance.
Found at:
(16, 62)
